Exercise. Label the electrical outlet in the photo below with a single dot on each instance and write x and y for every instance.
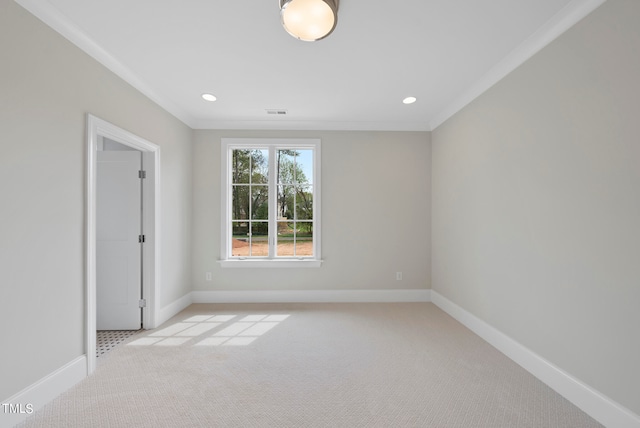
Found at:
(208, 276)
(398, 276)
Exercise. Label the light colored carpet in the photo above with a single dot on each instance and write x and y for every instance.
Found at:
(310, 365)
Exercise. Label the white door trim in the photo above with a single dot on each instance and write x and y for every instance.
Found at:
(97, 127)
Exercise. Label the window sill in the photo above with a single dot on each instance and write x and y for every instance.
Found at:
(287, 263)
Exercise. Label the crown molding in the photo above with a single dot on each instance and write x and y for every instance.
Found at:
(571, 14)
(55, 19)
(316, 125)
(558, 24)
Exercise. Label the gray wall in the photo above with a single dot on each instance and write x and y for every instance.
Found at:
(375, 214)
(536, 203)
(47, 86)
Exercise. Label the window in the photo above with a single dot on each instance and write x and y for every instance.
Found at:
(270, 202)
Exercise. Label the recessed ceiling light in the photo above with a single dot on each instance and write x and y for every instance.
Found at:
(409, 100)
(209, 97)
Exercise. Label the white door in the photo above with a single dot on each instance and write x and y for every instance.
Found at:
(118, 230)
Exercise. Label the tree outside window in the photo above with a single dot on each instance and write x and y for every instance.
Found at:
(272, 201)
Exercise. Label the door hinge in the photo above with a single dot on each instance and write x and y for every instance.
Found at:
(142, 174)
(142, 303)
(141, 239)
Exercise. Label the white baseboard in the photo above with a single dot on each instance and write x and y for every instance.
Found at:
(43, 391)
(311, 296)
(291, 296)
(173, 308)
(598, 406)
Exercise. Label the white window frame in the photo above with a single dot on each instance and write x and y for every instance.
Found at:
(272, 144)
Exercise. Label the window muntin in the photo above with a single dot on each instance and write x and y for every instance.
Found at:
(295, 203)
(249, 202)
(271, 200)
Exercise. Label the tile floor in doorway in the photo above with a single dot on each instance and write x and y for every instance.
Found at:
(106, 340)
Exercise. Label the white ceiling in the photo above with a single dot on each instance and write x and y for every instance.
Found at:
(444, 52)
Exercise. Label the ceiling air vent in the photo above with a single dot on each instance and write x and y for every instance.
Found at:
(276, 111)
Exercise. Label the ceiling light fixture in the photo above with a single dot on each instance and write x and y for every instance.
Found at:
(209, 97)
(410, 100)
(309, 20)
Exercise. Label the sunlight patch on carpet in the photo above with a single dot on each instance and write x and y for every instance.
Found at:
(213, 330)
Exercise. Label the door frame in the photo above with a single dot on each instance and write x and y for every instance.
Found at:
(97, 128)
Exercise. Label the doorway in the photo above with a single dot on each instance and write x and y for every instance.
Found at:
(119, 237)
(122, 239)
